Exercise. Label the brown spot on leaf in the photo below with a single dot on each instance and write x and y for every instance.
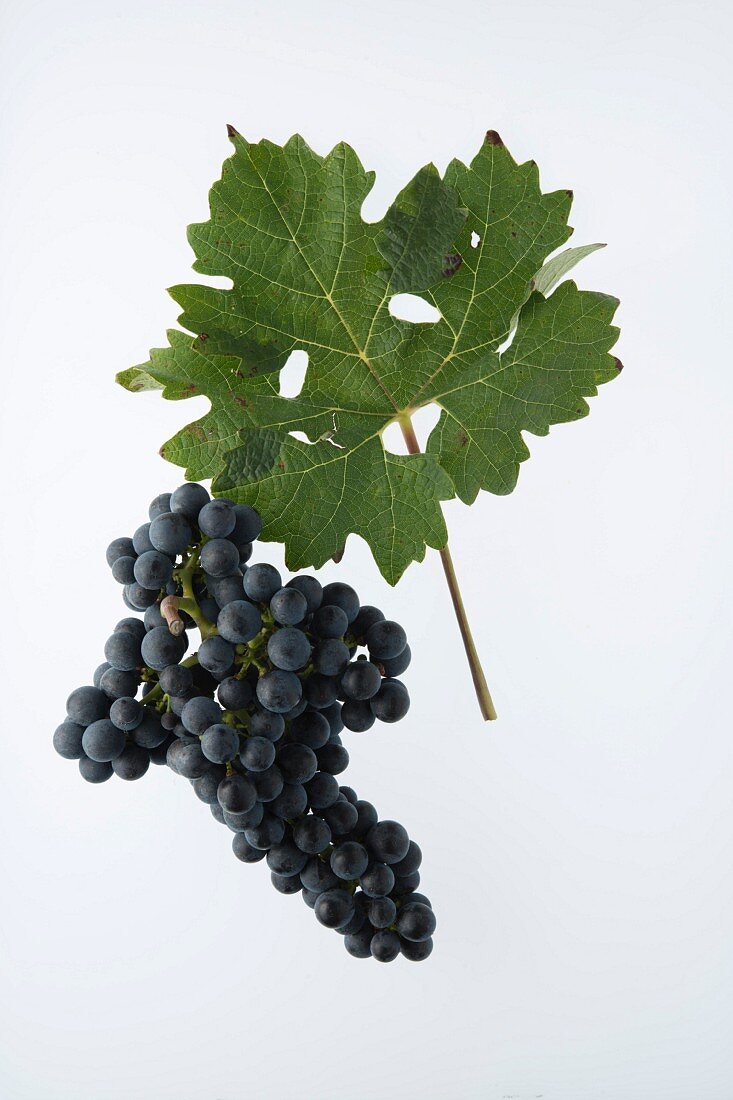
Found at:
(242, 402)
(462, 439)
(191, 388)
(281, 465)
(451, 263)
(237, 373)
(492, 138)
(618, 364)
(197, 432)
(569, 194)
(203, 337)
(232, 131)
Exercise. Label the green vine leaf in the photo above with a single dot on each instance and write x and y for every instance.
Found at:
(308, 273)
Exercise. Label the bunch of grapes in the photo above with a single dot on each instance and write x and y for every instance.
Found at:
(253, 718)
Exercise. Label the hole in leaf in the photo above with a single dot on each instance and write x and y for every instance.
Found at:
(475, 239)
(410, 307)
(301, 437)
(292, 376)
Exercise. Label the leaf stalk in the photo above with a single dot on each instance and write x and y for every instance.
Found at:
(481, 688)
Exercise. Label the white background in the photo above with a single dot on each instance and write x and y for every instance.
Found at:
(578, 851)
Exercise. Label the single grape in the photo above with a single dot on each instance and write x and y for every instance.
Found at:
(289, 648)
(311, 729)
(317, 876)
(217, 519)
(416, 922)
(162, 503)
(122, 650)
(367, 616)
(311, 834)
(190, 760)
(261, 582)
(236, 794)
(133, 626)
(405, 884)
(334, 907)
(218, 814)
(94, 771)
(367, 817)
(247, 525)
(123, 569)
(395, 666)
(188, 500)
(267, 834)
(415, 899)
(219, 557)
(378, 880)
(170, 533)
(132, 763)
(258, 754)
(350, 860)
(220, 743)
(153, 570)
(119, 548)
(361, 680)
(331, 657)
(86, 705)
(278, 691)
(286, 884)
(225, 589)
(333, 714)
(388, 841)
(286, 859)
(160, 648)
(216, 655)
(239, 621)
(206, 786)
(141, 539)
(322, 790)
(126, 713)
(234, 694)
(410, 862)
(176, 680)
(392, 701)
(320, 691)
(342, 595)
(288, 606)
(102, 741)
(382, 912)
(199, 713)
(67, 740)
(330, 621)
(291, 802)
(115, 683)
(357, 715)
(138, 598)
(416, 952)
(311, 588)
(297, 763)
(341, 817)
(333, 758)
(385, 946)
(359, 944)
(264, 723)
(243, 849)
(99, 673)
(249, 819)
(268, 783)
(385, 639)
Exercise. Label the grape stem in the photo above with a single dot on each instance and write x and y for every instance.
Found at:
(188, 602)
(483, 694)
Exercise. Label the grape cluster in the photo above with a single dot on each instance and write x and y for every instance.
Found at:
(253, 718)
